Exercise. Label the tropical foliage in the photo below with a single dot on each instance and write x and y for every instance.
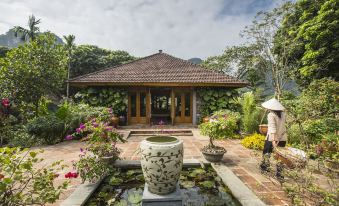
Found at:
(33, 70)
(250, 112)
(90, 58)
(223, 124)
(311, 30)
(105, 97)
(216, 99)
(23, 183)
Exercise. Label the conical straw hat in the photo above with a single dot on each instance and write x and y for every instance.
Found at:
(273, 104)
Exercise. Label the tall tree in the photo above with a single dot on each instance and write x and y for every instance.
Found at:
(70, 46)
(30, 33)
(243, 62)
(262, 33)
(90, 58)
(311, 29)
(33, 70)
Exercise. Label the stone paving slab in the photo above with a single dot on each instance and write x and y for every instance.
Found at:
(243, 163)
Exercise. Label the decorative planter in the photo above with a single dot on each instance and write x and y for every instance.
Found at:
(263, 128)
(205, 119)
(161, 162)
(115, 120)
(109, 159)
(213, 156)
(122, 120)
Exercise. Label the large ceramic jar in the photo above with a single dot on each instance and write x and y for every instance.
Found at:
(161, 162)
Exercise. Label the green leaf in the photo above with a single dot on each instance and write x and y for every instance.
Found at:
(207, 184)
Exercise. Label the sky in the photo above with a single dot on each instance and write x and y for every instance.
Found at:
(183, 28)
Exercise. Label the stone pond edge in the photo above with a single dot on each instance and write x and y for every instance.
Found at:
(239, 190)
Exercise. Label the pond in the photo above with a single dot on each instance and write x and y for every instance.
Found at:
(199, 187)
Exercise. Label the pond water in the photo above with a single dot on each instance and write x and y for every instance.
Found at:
(199, 187)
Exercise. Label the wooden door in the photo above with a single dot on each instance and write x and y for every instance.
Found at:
(137, 107)
(183, 106)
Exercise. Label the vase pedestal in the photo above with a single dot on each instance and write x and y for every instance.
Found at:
(172, 199)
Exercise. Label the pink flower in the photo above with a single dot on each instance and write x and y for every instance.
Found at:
(69, 137)
(81, 150)
(94, 124)
(108, 128)
(110, 110)
(5, 102)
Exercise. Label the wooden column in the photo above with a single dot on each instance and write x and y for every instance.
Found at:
(172, 106)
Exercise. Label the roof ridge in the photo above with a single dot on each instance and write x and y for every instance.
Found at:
(112, 67)
(204, 68)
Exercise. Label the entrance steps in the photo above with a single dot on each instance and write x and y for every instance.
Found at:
(164, 132)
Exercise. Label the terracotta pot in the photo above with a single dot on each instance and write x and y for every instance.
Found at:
(115, 120)
(205, 119)
(161, 162)
(263, 128)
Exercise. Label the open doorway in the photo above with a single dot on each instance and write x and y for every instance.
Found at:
(161, 107)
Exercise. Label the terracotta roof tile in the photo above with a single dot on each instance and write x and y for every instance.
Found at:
(157, 68)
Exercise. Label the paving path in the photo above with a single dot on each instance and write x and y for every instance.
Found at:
(243, 162)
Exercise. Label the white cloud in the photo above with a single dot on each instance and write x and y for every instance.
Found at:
(186, 28)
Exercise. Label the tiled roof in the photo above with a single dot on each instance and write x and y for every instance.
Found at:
(158, 68)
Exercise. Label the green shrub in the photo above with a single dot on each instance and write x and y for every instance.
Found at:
(250, 112)
(223, 124)
(22, 182)
(254, 141)
(48, 128)
(214, 99)
(105, 97)
(313, 130)
(18, 136)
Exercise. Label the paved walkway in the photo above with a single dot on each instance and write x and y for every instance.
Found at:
(243, 162)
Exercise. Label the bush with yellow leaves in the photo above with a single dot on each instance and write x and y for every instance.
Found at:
(254, 141)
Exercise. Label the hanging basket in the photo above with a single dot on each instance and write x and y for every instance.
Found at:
(263, 129)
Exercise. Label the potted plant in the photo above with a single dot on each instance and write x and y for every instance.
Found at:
(100, 152)
(161, 162)
(220, 126)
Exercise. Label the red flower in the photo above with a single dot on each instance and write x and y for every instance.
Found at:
(5, 102)
(71, 175)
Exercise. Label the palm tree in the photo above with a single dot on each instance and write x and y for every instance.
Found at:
(70, 45)
(31, 32)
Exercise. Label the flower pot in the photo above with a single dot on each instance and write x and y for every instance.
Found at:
(205, 119)
(161, 162)
(122, 120)
(263, 129)
(213, 157)
(115, 121)
(108, 159)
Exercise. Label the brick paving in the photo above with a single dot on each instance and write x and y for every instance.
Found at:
(243, 162)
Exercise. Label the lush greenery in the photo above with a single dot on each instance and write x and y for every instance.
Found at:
(250, 112)
(223, 124)
(116, 99)
(23, 183)
(312, 114)
(90, 58)
(254, 141)
(311, 30)
(213, 100)
(33, 70)
(96, 160)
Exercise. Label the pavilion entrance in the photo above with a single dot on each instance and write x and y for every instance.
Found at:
(156, 106)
